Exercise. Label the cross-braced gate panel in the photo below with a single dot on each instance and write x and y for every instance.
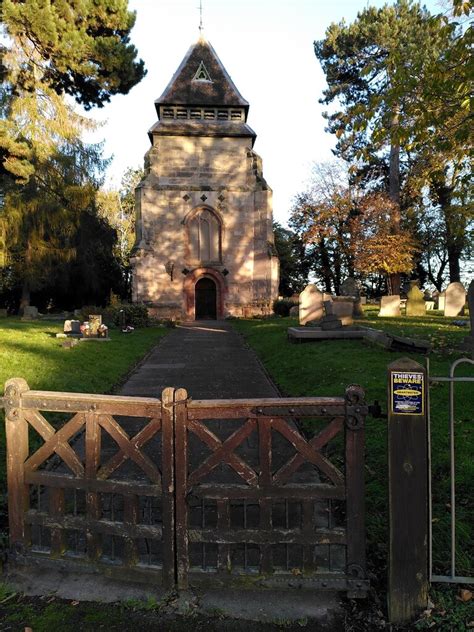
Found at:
(90, 480)
(258, 501)
(226, 491)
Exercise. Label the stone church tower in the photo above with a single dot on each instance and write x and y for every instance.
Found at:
(204, 241)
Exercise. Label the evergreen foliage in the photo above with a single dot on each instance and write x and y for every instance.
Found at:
(294, 262)
(398, 83)
(55, 48)
(80, 47)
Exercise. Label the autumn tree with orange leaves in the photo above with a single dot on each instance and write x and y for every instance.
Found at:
(352, 232)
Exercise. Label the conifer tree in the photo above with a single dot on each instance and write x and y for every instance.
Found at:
(40, 219)
(55, 48)
(375, 68)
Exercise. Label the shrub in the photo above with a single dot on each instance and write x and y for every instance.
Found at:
(136, 314)
(282, 306)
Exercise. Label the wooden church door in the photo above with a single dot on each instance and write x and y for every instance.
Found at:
(205, 296)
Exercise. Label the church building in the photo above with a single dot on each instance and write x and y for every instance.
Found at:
(204, 239)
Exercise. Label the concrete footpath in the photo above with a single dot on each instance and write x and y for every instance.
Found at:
(211, 361)
(207, 358)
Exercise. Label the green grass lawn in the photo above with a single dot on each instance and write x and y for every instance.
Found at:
(325, 368)
(30, 350)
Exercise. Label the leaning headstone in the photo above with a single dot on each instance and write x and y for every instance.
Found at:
(455, 299)
(415, 301)
(390, 306)
(350, 287)
(30, 312)
(311, 304)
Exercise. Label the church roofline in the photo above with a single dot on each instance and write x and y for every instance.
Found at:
(184, 89)
(197, 128)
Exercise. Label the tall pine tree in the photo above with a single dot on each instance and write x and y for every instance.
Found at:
(374, 69)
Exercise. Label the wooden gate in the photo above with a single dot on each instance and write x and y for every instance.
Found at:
(263, 492)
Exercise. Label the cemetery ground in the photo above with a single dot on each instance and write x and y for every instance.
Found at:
(307, 369)
(327, 367)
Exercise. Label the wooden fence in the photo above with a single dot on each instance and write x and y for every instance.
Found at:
(262, 492)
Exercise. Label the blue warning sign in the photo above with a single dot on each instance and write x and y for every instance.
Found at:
(408, 393)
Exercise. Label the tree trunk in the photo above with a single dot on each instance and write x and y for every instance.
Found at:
(453, 246)
(325, 266)
(394, 280)
(455, 227)
(25, 296)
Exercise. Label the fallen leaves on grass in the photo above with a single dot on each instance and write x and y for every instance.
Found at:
(465, 594)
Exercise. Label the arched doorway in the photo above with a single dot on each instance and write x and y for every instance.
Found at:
(205, 299)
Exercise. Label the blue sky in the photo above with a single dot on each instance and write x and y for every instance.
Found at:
(267, 48)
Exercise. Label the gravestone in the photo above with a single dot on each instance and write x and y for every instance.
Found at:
(455, 299)
(30, 312)
(390, 306)
(350, 287)
(95, 321)
(441, 301)
(72, 327)
(3, 313)
(415, 301)
(311, 304)
(343, 310)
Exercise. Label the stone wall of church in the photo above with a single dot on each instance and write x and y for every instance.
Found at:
(224, 175)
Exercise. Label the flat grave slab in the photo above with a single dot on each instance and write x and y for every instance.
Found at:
(317, 333)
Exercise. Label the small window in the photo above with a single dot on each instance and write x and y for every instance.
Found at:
(181, 113)
(168, 113)
(209, 114)
(236, 115)
(196, 114)
(223, 115)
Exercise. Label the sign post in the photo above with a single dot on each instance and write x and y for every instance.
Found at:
(408, 490)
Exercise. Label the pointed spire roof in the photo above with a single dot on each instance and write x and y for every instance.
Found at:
(202, 80)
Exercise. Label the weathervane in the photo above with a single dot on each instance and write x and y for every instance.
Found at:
(200, 17)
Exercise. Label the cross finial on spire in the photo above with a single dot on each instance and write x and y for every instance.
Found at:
(201, 28)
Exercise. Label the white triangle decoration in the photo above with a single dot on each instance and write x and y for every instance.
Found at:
(202, 73)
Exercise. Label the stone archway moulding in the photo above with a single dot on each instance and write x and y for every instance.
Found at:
(190, 282)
